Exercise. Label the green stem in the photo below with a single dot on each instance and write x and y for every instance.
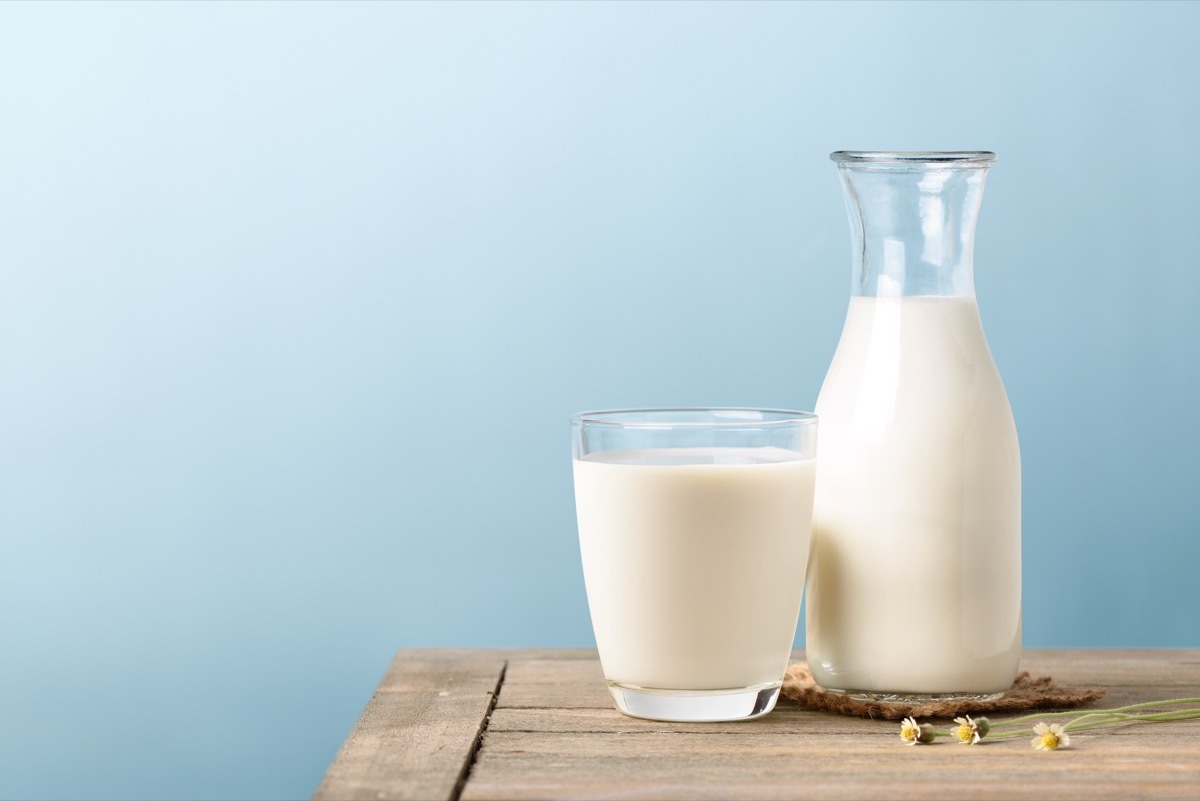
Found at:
(1095, 720)
(1146, 705)
(1009, 734)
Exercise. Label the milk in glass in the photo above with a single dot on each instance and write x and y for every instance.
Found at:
(694, 560)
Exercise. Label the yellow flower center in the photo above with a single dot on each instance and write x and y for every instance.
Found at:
(965, 733)
(1050, 740)
(909, 732)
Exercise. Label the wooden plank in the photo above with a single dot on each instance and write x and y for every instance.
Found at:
(579, 683)
(1157, 761)
(527, 670)
(594, 695)
(417, 734)
(786, 719)
(1102, 667)
(585, 695)
(559, 684)
(1083, 666)
(554, 734)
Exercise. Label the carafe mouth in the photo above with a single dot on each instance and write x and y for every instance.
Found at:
(941, 158)
(912, 219)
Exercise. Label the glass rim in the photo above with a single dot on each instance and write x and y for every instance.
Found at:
(965, 157)
(619, 418)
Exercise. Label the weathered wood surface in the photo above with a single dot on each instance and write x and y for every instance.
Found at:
(480, 724)
(420, 730)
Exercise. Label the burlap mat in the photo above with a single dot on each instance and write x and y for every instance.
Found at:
(1026, 693)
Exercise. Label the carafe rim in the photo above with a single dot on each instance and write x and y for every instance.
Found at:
(942, 157)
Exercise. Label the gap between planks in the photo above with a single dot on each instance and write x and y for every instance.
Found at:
(473, 754)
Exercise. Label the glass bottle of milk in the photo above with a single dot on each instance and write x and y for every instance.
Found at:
(914, 583)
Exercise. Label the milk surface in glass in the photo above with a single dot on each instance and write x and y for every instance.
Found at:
(914, 585)
(694, 561)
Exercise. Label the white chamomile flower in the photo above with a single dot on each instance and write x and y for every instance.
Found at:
(1050, 737)
(968, 731)
(913, 733)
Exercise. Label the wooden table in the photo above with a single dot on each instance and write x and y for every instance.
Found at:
(493, 724)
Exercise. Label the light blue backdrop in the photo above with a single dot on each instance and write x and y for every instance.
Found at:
(296, 300)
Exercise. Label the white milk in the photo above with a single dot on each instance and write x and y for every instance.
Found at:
(914, 584)
(694, 562)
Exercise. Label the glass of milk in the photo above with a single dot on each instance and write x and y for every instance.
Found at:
(694, 530)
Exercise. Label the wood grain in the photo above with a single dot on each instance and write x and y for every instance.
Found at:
(554, 734)
(418, 732)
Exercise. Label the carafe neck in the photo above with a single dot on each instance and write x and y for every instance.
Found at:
(912, 220)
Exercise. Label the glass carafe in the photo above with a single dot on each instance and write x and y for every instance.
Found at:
(914, 585)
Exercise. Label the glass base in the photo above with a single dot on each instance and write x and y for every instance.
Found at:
(695, 706)
(911, 699)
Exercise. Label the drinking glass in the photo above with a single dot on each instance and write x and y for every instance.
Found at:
(694, 530)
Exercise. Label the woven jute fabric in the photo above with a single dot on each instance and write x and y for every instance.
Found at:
(1027, 693)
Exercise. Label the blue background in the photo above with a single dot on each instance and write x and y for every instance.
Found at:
(295, 300)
